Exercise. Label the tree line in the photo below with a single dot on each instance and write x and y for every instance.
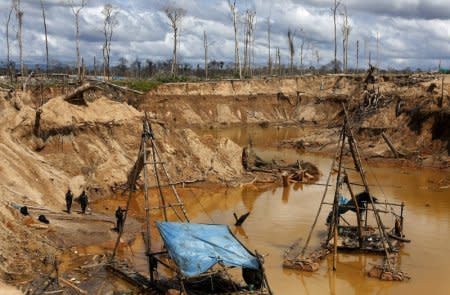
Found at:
(244, 26)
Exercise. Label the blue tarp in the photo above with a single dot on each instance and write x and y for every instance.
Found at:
(195, 248)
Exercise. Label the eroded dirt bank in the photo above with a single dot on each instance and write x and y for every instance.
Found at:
(88, 147)
(93, 146)
(412, 111)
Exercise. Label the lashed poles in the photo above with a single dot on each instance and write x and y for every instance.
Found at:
(357, 159)
(323, 197)
(146, 136)
(155, 168)
(172, 185)
(335, 219)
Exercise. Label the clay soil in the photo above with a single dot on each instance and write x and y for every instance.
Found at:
(93, 147)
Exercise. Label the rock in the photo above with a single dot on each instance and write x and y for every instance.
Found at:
(173, 292)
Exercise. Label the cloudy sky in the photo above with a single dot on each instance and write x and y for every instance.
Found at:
(412, 33)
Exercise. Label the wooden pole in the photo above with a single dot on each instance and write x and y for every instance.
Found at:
(390, 145)
(155, 168)
(147, 135)
(357, 159)
(335, 219)
(355, 201)
(323, 198)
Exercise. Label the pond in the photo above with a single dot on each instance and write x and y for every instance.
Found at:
(279, 216)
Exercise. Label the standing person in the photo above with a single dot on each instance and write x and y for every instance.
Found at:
(83, 202)
(69, 198)
(119, 217)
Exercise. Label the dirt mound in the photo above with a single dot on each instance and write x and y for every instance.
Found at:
(88, 147)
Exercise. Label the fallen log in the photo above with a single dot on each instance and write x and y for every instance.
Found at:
(76, 95)
(123, 88)
(73, 286)
(54, 292)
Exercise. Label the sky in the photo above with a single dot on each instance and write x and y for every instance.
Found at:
(411, 33)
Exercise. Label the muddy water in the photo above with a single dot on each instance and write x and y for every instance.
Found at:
(279, 216)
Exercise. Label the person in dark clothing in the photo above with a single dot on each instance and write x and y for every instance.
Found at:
(120, 218)
(83, 202)
(24, 210)
(69, 198)
(43, 219)
(362, 199)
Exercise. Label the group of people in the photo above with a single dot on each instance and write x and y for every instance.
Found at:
(84, 202)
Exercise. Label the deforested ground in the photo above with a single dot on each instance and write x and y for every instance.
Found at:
(48, 147)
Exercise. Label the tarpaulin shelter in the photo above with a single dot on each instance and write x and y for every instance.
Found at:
(196, 248)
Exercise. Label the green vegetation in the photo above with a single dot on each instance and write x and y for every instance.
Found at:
(139, 85)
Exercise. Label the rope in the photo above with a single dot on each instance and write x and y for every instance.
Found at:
(201, 205)
(324, 195)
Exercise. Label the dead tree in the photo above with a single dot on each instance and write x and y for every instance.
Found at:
(205, 46)
(290, 36)
(8, 57)
(334, 10)
(378, 50)
(109, 22)
(46, 36)
(175, 16)
(346, 28)
(269, 59)
(235, 17)
(248, 40)
(357, 55)
(302, 47)
(366, 41)
(317, 56)
(76, 9)
(278, 60)
(19, 18)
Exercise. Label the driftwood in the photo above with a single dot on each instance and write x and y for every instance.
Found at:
(73, 286)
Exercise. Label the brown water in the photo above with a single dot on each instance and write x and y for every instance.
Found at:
(279, 216)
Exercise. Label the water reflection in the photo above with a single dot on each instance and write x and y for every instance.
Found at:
(279, 216)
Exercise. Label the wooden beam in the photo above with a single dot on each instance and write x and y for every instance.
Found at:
(390, 145)
(73, 286)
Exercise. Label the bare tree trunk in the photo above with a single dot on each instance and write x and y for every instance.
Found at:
(269, 60)
(334, 11)
(76, 9)
(95, 67)
(46, 36)
(290, 35)
(378, 50)
(357, 55)
(279, 61)
(235, 16)
(343, 55)
(77, 24)
(174, 58)
(175, 16)
(19, 17)
(205, 45)
(8, 57)
(109, 22)
(302, 48)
